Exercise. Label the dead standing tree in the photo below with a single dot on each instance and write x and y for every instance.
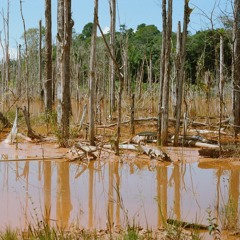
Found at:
(7, 56)
(180, 74)
(112, 48)
(26, 59)
(164, 19)
(48, 57)
(121, 81)
(64, 35)
(92, 75)
(236, 68)
(166, 79)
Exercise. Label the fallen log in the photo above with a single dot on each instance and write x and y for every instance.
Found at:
(192, 143)
(123, 147)
(155, 153)
(204, 131)
(82, 152)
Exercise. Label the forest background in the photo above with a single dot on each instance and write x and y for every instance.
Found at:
(137, 52)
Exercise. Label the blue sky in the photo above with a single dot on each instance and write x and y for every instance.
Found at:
(130, 12)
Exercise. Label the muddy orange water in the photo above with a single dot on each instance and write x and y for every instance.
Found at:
(92, 195)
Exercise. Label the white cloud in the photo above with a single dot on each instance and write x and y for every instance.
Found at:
(105, 30)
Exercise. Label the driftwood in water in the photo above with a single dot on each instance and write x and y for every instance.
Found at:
(122, 147)
(197, 141)
(193, 143)
(187, 225)
(156, 153)
(4, 120)
(82, 152)
(30, 132)
(149, 150)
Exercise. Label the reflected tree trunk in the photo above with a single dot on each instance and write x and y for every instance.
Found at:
(47, 170)
(177, 191)
(118, 200)
(63, 205)
(90, 196)
(162, 183)
(233, 199)
(110, 197)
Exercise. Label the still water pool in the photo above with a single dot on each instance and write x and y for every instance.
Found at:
(96, 194)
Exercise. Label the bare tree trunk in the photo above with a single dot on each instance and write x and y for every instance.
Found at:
(236, 68)
(48, 56)
(140, 79)
(163, 49)
(121, 81)
(132, 127)
(65, 25)
(26, 59)
(127, 84)
(221, 87)
(112, 48)
(40, 58)
(165, 95)
(60, 35)
(187, 12)
(19, 80)
(92, 75)
(7, 66)
(150, 81)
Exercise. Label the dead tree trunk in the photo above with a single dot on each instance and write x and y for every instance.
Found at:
(221, 87)
(40, 59)
(92, 76)
(48, 56)
(187, 12)
(19, 80)
(121, 81)
(26, 59)
(112, 47)
(7, 59)
(162, 69)
(236, 68)
(64, 35)
(167, 70)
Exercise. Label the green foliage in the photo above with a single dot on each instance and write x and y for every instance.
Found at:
(9, 234)
(213, 227)
(202, 53)
(229, 216)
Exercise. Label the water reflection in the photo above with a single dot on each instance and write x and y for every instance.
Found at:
(97, 195)
(63, 197)
(47, 172)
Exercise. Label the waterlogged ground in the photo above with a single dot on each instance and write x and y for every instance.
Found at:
(112, 191)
